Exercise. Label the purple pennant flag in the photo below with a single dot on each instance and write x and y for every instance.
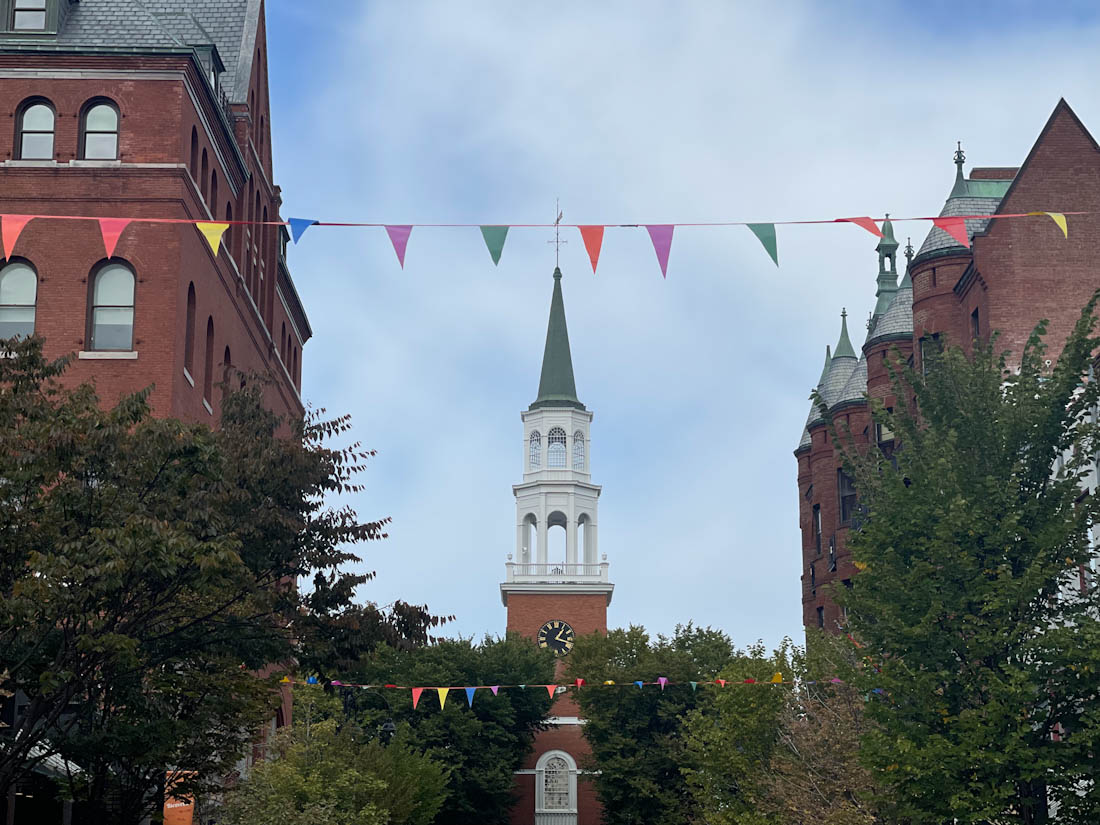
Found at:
(494, 689)
(662, 681)
(399, 237)
(661, 235)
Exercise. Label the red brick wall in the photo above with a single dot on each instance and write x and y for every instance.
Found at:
(527, 612)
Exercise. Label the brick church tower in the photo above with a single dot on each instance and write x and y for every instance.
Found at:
(553, 600)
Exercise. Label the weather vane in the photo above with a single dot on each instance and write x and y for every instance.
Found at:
(558, 241)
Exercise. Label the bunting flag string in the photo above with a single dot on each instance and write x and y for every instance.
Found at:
(765, 233)
(593, 242)
(494, 239)
(866, 223)
(399, 237)
(470, 691)
(661, 236)
(11, 226)
(213, 233)
(955, 227)
(443, 696)
(111, 229)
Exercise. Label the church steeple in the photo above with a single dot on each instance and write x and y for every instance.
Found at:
(556, 385)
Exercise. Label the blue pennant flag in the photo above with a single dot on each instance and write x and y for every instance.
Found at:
(639, 684)
(470, 695)
(312, 680)
(298, 227)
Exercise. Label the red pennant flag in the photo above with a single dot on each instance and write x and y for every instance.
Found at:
(750, 681)
(399, 237)
(10, 228)
(866, 223)
(955, 227)
(550, 689)
(416, 696)
(579, 683)
(111, 229)
(661, 235)
(593, 242)
(720, 682)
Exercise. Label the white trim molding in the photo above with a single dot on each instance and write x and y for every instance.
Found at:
(107, 355)
(187, 375)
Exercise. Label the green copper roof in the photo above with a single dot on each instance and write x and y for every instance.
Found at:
(556, 386)
(844, 345)
(887, 242)
(825, 369)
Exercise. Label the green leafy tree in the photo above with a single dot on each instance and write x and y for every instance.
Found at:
(325, 775)
(637, 736)
(984, 645)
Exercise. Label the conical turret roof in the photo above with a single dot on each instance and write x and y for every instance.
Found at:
(556, 385)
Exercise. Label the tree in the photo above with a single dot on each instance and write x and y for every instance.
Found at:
(482, 746)
(323, 775)
(147, 574)
(637, 735)
(985, 645)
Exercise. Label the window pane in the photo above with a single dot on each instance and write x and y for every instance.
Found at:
(38, 118)
(102, 118)
(30, 20)
(18, 285)
(16, 322)
(30, 4)
(555, 449)
(112, 328)
(37, 147)
(100, 147)
(114, 286)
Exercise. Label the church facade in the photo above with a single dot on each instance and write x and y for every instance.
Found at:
(549, 598)
(1013, 274)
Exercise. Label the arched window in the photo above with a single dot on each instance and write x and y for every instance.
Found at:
(534, 455)
(99, 131)
(208, 375)
(111, 321)
(229, 233)
(36, 124)
(189, 333)
(556, 785)
(214, 194)
(195, 154)
(282, 343)
(18, 295)
(227, 368)
(578, 451)
(555, 447)
(204, 176)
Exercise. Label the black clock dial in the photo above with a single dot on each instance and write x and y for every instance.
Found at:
(557, 636)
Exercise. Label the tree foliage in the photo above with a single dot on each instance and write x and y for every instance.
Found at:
(981, 639)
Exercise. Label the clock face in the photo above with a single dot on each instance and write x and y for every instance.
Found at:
(557, 636)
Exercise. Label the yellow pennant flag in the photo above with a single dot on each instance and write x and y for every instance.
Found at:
(213, 233)
(443, 696)
(777, 679)
(1058, 218)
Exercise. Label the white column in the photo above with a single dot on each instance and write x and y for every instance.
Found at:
(522, 552)
(571, 540)
(542, 540)
(591, 553)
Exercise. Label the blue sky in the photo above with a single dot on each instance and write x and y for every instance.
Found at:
(635, 112)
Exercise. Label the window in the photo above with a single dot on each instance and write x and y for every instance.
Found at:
(821, 617)
(18, 295)
(555, 784)
(229, 229)
(817, 527)
(100, 132)
(227, 368)
(29, 15)
(813, 576)
(195, 154)
(847, 492)
(930, 349)
(534, 455)
(975, 327)
(555, 447)
(578, 451)
(556, 787)
(214, 194)
(189, 333)
(832, 553)
(204, 176)
(208, 374)
(111, 320)
(36, 123)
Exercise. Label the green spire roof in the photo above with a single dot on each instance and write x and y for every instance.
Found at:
(556, 386)
(844, 345)
(825, 369)
(886, 242)
(959, 190)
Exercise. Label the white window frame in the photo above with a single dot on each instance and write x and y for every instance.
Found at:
(540, 786)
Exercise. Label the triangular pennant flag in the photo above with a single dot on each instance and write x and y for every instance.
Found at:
(10, 228)
(334, 683)
(523, 687)
(661, 235)
(593, 242)
(750, 681)
(298, 227)
(443, 696)
(399, 237)
(836, 681)
(765, 233)
(955, 227)
(213, 233)
(550, 689)
(609, 682)
(866, 223)
(579, 683)
(1058, 218)
(639, 684)
(111, 229)
(416, 696)
(662, 681)
(777, 679)
(470, 695)
(285, 679)
(312, 680)
(720, 682)
(494, 689)
(694, 685)
(494, 239)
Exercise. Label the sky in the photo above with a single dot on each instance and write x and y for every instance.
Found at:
(628, 112)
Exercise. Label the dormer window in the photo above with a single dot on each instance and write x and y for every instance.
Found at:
(29, 15)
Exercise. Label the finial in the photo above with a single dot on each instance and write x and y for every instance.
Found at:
(909, 250)
(558, 241)
(843, 314)
(960, 156)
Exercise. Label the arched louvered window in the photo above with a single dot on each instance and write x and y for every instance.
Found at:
(555, 447)
(578, 451)
(18, 296)
(36, 126)
(534, 454)
(111, 320)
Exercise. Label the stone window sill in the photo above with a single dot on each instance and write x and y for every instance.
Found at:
(187, 375)
(206, 404)
(97, 164)
(107, 355)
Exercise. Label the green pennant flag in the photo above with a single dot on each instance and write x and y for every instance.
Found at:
(494, 239)
(765, 233)
(694, 685)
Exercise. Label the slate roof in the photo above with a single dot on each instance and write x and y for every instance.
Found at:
(138, 25)
(839, 372)
(856, 386)
(972, 197)
(898, 318)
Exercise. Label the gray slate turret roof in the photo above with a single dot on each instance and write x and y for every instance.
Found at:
(856, 386)
(968, 197)
(897, 321)
(815, 410)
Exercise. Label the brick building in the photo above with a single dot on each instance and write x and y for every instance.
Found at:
(146, 109)
(556, 584)
(1015, 273)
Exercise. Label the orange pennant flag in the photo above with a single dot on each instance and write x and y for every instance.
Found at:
(10, 228)
(866, 223)
(1058, 218)
(111, 229)
(443, 696)
(777, 679)
(550, 689)
(593, 242)
(955, 227)
(416, 696)
(213, 233)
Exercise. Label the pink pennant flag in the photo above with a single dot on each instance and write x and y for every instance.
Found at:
(662, 681)
(10, 228)
(661, 235)
(416, 696)
(720, 682)
(955, 227)
(579, 683)
(593, 242)
(111, 229)
(550, 689)
(399, 237)
(866, 223)
(494, 689)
